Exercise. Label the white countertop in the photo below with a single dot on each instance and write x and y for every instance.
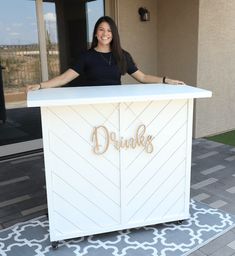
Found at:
(108, 94)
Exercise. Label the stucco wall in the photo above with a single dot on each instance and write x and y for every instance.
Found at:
(177, 24)
(216, 65)
(139, 38)
(191, 40)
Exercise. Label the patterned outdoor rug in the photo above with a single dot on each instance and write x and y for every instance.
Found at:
(31, 238)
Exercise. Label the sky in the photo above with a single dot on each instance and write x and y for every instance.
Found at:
(18, 24)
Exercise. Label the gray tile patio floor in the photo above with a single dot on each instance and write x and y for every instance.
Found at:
(23, 193)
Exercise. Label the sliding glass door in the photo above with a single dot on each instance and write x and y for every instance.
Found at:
(20, 130)
(38, 40)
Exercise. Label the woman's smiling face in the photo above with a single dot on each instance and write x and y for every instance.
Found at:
(104, 34)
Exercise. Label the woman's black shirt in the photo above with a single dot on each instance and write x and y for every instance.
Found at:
(98, 68)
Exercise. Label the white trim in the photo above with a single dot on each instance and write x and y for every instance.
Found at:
(16, 148)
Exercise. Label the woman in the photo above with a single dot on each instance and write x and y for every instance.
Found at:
(104, 63)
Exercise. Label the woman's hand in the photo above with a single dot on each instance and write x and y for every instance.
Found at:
(32, 87)
(172, 81)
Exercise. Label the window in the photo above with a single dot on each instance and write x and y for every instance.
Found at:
(94, 10)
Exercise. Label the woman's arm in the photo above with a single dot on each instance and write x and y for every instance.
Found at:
(147, 79)
(57, 81)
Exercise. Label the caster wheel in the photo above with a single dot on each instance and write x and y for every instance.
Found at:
(180, 222)
(54, 245)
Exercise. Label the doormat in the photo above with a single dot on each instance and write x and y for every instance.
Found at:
(31, 238)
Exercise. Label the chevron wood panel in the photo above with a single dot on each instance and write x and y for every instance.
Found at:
(82, 211)
(151, 180)
(90, 193)
(78, 144)
(85, 187)
(70, 120)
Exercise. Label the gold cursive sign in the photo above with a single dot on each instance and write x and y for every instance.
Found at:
(102, 138)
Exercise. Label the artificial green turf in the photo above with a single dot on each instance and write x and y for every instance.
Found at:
(225, 138)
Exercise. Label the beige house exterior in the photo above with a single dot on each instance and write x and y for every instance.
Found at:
(191, 40)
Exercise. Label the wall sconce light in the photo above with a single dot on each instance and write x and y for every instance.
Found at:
(144, 14)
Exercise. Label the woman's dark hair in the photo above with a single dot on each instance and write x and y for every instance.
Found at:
(115, 44)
